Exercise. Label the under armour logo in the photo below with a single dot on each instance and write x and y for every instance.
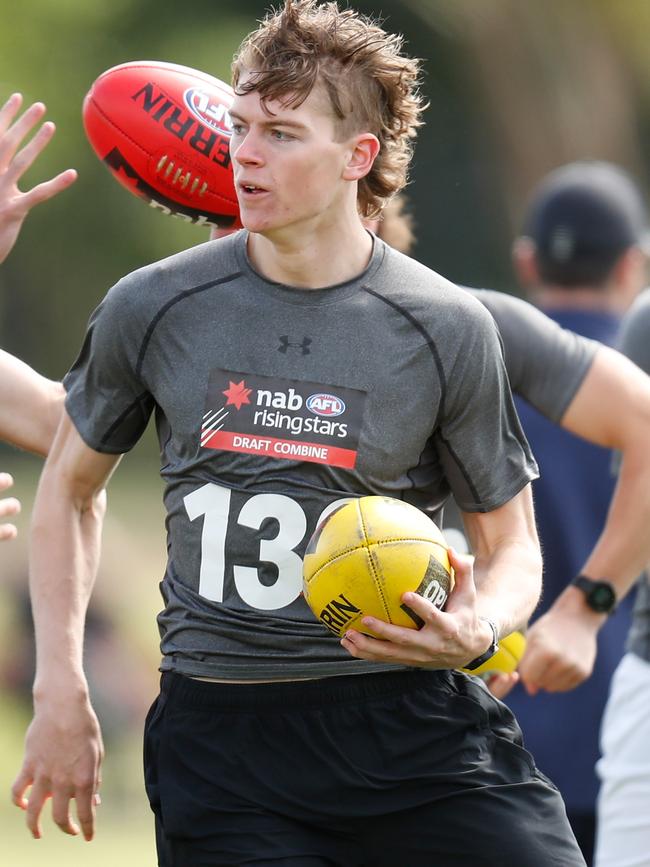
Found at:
(285, 344)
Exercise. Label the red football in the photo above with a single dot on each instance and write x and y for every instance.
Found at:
(164, 132)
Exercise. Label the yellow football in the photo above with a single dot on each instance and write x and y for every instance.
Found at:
(365, 554)
(506, 659)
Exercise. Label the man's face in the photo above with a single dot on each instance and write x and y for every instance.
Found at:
(288, 165)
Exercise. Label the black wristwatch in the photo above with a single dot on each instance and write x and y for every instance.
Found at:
(600, 595)
(492, 649)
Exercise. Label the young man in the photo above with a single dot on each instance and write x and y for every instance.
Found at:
(582, 259)
(30, 404)
(270, 742)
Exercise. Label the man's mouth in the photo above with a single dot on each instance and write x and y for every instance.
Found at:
(252, 189)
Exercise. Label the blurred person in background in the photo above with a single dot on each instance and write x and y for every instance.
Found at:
(623, 830)
(591, 391)
(582, 260)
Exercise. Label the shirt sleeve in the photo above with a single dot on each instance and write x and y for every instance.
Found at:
(482, 447)
(546, 363)
(107, 399)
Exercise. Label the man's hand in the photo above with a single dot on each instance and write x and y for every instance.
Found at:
(448, 639)
(14, 204)
(502, 683)
(9, 506)
(63, 755)
(561, 649)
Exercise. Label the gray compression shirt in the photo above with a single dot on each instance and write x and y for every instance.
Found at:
(272, 404)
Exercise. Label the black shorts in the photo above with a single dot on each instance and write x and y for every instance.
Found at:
(406, 768)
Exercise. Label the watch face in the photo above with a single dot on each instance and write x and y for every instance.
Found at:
(601, 597)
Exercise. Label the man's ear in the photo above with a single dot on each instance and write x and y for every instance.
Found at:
(629, 275)
(363, 152)
(524, 262)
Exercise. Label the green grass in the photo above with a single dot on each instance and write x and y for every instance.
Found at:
(124, 822)
(126, 843)
(127, 587)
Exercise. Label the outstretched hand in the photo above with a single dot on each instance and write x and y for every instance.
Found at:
(16, 160)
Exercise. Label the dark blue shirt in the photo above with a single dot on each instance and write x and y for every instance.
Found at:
(571, 501)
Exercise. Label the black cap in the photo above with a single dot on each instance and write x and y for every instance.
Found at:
(582, 217)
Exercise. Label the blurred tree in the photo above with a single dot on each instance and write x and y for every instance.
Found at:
(515, 89)
(549, 83)
(75, 247)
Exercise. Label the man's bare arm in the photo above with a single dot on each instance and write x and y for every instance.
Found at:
(612, 409)
(30, 406)
(507, 564)
(63, 750)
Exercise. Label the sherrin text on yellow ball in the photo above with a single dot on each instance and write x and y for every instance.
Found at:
(364, 555)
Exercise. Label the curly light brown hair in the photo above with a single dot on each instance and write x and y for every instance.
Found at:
(372, 86)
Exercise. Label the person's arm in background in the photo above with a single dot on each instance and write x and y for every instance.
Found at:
(30, 404)
(607, 401)
(63, 747)
(612, 409)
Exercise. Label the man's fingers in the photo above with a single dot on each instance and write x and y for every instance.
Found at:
(22, 782)
(9, 111)
(24, 158)
(38, 795)
(462, 565)
(502, 683)
(425, 610)
(48, 189)
(385, 649)
(6, 481)
(8, 532)
(9, 506)
(464, 587)
(32, 802)
(61, 812)
(11, 138)
(539, 671)
(555, 677)
(86, 803)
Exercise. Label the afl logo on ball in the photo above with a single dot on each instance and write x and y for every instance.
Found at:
(209, 109)
(325, 405)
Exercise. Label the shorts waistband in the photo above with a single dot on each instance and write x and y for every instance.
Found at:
(303, 693)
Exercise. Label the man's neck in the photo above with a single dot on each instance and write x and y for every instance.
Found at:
(312, 260)
(578, 298)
